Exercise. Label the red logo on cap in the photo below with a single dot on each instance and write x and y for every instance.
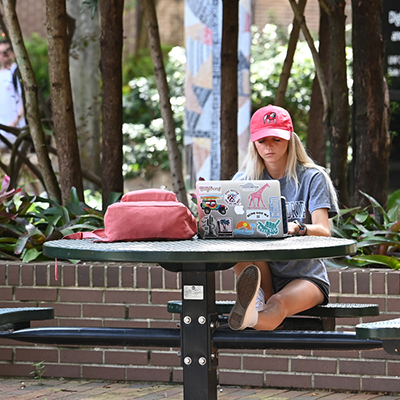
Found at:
(269, 117)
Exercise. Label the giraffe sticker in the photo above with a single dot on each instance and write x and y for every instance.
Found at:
(257, 197)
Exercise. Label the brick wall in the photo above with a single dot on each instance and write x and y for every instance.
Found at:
(32, 17)
(101, 295)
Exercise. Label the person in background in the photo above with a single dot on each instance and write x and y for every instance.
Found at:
(11, 103)
(269, 292)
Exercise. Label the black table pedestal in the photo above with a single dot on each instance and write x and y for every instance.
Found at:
(198, 322)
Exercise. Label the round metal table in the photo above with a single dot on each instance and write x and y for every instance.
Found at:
(199, 250)
(198, 260)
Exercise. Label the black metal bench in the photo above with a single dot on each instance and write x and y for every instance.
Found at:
(319, 318)
(13, 319)
(387, 331)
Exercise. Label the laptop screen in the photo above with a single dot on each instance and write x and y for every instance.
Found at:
(241, 209)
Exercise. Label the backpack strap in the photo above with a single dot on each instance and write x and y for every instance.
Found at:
(98, 234)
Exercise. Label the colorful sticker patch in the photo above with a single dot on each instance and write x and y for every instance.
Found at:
(225, 227)
(244, 228)
(210, 203)
(209, 189)
(268, 228)
(232, 197)
(255, 198)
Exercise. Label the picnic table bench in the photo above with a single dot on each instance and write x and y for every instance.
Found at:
(12, 319)
(318, 318)
(198, 336)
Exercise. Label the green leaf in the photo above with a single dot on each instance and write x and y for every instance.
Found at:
(21, 243)
(391, 262)
(65, 214)
(113, 198)
(31, 254)
(74, 196)
(51, 225)
(361, 217)
(376, 205)
(394, 199)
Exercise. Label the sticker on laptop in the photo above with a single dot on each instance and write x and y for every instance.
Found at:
(244, 228)
(268, 228)
(248, 186)
(210, 203)
(255, 198)
(232, 197)
(210, 189)
(209, 225)
(257, 214)
(225, 226)
(274, 207)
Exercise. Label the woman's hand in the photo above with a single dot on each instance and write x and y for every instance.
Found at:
(319, 226)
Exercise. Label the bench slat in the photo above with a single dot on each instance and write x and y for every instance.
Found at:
(22, 314)
(389, 329)
(331, 310)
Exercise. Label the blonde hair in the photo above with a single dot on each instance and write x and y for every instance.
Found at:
(253, 165)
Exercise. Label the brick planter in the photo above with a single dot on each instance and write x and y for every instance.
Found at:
(95, 294)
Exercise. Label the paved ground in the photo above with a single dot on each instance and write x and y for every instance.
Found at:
(52, 389)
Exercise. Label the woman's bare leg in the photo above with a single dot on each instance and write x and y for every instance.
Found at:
(296, 296)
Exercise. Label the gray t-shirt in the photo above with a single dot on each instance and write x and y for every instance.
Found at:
(311, 194)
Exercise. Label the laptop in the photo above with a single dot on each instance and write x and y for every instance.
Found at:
(241, 209)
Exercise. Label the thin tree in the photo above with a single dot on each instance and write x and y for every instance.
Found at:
(287, 64)
(32, 106)
(229, 88)
(111, 41)
(317, 133)
(174, 156)
(86, 86)
(340, 109)
(317, 62)
(61, 100)
(371, 137)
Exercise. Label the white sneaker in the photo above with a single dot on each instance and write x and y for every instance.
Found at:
(244, 313)
(260, 301)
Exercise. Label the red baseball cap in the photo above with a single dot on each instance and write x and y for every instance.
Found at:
(271, 121)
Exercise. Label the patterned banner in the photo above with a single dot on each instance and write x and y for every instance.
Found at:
(203, 26)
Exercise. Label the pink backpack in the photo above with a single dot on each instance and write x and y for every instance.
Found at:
(149, 214)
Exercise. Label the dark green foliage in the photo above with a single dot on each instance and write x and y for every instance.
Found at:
(376, 231)
(36, 47)
(26, 222)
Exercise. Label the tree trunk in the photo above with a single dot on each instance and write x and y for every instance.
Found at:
(229, 88)
(111, 68)
(371, 138)
(165, 105)
(340, 110)
(32, 107)
(61, 100)
(287, 64)
(317, 62)
(86, 86)
(317, 133)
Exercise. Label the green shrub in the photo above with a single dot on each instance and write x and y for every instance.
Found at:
(36, 46)
(376, 231)
(26, 222)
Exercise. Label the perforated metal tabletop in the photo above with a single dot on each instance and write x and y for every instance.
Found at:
(200, 250)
